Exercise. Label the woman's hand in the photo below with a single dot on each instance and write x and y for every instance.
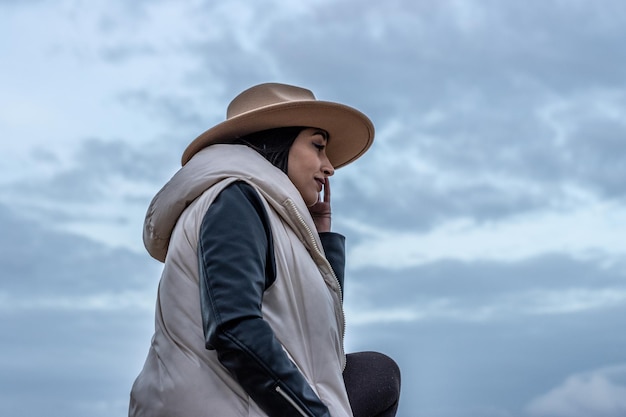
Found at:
(320, 211)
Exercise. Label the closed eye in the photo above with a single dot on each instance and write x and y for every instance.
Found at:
(322, 133)
(320, 146)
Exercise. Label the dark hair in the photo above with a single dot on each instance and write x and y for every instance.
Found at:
(273, 144)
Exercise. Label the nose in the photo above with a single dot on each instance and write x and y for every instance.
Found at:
(328, 169)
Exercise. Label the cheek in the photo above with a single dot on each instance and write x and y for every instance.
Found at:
(297, 164)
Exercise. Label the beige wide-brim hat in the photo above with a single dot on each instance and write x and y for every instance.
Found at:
(272, 105)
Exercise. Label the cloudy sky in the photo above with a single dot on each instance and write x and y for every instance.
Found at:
(485, 227)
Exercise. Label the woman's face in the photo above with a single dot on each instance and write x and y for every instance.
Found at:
(307, 164)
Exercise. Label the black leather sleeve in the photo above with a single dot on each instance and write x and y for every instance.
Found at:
(335, 248)
(236, 266)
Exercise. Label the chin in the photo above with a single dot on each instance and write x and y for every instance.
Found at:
(310, 200)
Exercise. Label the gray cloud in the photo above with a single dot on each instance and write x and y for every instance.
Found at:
(484, 110)
(469, 102)
(74, 363)
(593, 155)
(19, 3)
(600, 393)
(119, 54)
(180, 112)
(442, 357)
(481, 286)
(38, 261)
(94, 175)
(62, 346)
(483, 339)
(492, 369)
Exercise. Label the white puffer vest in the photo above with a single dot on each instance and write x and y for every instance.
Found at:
(181, 377)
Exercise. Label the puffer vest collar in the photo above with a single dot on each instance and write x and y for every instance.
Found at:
(210, 166)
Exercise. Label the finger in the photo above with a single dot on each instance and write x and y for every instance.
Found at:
(327, 190)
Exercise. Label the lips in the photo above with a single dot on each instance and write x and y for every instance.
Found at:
(320, 182)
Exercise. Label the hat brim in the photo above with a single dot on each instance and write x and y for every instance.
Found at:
(350, 132)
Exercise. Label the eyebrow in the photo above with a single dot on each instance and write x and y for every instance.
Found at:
(324, 133)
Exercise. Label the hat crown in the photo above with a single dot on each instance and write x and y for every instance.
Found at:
(273, 105)
(264, 95)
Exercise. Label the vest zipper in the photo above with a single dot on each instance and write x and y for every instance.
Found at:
(291, 401)
(294, 209)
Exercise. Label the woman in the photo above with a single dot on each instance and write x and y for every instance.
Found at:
(249, 317)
